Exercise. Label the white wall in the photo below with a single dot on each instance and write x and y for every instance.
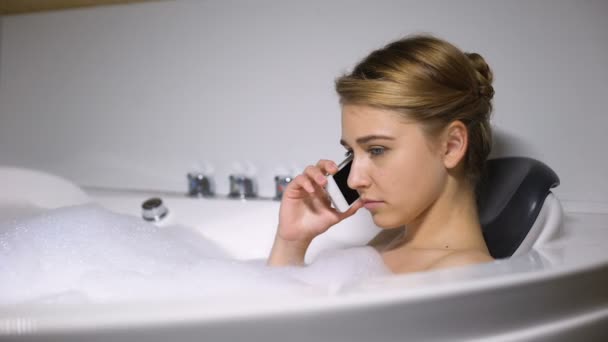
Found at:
(136, 96)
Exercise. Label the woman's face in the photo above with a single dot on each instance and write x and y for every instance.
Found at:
(396, 169)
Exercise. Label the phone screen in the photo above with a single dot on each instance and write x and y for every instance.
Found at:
(341, 178)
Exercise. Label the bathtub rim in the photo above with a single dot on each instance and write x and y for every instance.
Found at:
(46, 319)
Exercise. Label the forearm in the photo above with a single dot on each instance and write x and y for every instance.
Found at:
(287, 253)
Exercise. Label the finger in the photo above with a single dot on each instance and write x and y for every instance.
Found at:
(318, 199)
(326, 198)
(328, 167)
(302, 182)
(317, 175)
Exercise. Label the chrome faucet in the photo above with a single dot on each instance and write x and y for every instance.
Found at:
(280, 183)
(200, 185)
(242, 187)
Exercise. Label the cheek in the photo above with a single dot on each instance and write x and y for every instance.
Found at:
(416, 170)
(415, 187)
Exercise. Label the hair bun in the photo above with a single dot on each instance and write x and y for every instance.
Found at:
(484, 75)
(486, 91)
(480, 66)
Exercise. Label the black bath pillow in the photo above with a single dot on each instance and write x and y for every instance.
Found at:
(510, 195)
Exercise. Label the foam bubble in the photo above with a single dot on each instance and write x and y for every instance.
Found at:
(89, 254)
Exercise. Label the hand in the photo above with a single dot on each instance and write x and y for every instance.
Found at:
(306, 209)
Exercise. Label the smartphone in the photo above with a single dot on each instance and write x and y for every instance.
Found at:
(341, 196)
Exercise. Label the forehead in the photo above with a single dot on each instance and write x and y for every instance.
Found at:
(360, 120)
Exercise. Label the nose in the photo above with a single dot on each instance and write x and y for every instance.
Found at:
(358, 177)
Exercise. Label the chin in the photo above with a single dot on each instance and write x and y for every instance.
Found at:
(386, 221)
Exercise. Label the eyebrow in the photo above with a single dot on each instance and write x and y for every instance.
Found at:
(368, 138)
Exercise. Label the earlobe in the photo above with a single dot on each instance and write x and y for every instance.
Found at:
(455, 144)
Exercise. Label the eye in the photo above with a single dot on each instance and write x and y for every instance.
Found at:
(348, 153)
(376, 150)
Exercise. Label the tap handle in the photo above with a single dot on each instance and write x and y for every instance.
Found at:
(242, 186)
(199, 185)
(280, 183)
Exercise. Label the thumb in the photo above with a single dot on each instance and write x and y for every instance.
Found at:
(352, 210)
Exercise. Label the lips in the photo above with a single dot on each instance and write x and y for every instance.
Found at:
(372, 204)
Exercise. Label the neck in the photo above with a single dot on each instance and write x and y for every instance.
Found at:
(451, 222)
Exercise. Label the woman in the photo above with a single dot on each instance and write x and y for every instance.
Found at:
(415, 118)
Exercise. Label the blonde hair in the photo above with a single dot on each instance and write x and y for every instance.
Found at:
(432, 82)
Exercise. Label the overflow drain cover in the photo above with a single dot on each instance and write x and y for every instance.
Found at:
(153, 209)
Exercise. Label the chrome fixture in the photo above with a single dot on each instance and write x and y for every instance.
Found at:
(280, 183)
(200, 185)
(153, 210)
(242, 186)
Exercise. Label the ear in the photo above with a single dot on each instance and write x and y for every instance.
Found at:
(455, 143)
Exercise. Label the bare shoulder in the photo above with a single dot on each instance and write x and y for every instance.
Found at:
(461, 258)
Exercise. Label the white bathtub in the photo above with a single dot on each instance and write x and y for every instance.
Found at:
(556, 292)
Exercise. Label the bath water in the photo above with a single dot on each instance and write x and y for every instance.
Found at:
(89, 254)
